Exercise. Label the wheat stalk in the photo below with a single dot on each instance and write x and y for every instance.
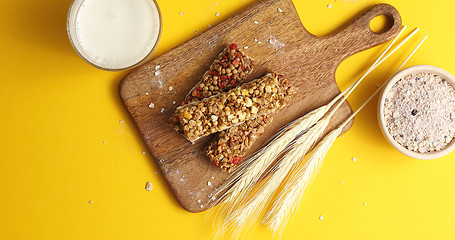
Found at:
(236, 208)
(295, 188)
(250, 171)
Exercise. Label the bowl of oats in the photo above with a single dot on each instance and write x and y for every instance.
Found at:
(416, 112)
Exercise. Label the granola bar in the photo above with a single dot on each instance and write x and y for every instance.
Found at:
(224, 110)
(230, 68)
(228, 148)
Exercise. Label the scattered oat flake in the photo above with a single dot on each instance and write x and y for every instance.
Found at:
(280, 10)
(146, 93)
(329, 5)
(199, 200)
(259, 42)
(255, 39)
(157, 67)
(162, 110)
(354, 159)
(246, 47)
(321, 217)
(217, 14)
(157, 73)
(151, 105)
(212, 177)
(148, 186)
(181, 13)
(209, 184)
(170, 88)
(173, 102)
(255, 22)
(202, 206)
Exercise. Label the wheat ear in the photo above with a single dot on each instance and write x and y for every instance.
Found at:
(249, 172)
(299, 148)
(295, 188)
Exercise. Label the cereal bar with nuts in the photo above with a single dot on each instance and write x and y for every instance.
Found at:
(230, 68)
(224, 110)
(229, 146)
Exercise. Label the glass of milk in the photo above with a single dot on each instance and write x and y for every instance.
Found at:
(114, 35)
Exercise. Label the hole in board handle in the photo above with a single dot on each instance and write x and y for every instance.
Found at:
(381, 23)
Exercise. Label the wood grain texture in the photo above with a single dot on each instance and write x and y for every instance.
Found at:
(308, 61)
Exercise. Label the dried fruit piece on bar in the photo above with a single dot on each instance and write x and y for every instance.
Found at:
(224, 110)
(228, 148)
(230, 68)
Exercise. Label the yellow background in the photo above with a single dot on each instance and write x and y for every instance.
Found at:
(56, 111)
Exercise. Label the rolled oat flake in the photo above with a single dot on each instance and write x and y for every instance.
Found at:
(419, 111)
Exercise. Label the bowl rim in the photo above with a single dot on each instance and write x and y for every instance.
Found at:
(381, 119)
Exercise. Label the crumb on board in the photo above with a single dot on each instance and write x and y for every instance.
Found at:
(162, 110)
(121, 121)
(255, 22)
(202, 206)
(321, 217)
(246, 47)
(148, 186)
(174, 102)
(280, 10)
(217, 14)
(354, 159)
(170, 88)
(151, 105)
(104, 141)
(329, 5)
(209, 183)
(199, 200)
(181, 13)
(90, 202)
(146, 93)
(365, 203)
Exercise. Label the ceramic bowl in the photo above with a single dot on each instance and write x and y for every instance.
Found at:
(381, 118)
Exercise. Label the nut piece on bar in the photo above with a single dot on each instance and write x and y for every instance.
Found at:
(230, 68)
(224, 110)
(228, 148)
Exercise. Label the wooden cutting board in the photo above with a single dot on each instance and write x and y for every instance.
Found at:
(279, 43)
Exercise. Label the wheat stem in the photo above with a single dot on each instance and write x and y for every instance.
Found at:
(293, 191)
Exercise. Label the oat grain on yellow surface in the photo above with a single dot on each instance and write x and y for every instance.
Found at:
(72, 164)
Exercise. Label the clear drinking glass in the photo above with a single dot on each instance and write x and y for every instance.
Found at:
(71, 29)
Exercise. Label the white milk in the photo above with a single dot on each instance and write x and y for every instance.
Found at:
(116, 34)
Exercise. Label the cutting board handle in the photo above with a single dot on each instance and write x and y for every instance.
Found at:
(357, 35)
